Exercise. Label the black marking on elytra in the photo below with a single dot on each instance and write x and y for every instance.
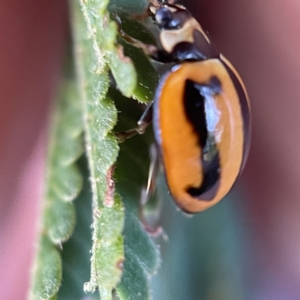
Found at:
(195, 111)
(215, 85)
(211, 179)
(211, 88)
(195, 96)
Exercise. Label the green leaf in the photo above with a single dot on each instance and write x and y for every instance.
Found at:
(100, 117)
(76, 251)
(134, 284)
(130, 6)
(96, 51)
(137, 240)
(58, 219)
(47, 271)
(141, 254)
(103, 33)
(147, 77)
(141, 260)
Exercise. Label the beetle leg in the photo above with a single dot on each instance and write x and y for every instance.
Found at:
(152, 175)
(142, 124)
(147, 192)
(150, 50)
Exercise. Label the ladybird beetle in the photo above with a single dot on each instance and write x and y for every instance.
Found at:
(201, 112)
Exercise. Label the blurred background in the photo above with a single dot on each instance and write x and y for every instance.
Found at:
(246, 247)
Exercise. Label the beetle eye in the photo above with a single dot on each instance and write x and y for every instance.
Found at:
(164, 17)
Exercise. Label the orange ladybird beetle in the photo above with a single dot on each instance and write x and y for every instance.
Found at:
(201, 113)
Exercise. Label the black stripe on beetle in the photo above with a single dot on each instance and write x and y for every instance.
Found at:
(195, 96)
